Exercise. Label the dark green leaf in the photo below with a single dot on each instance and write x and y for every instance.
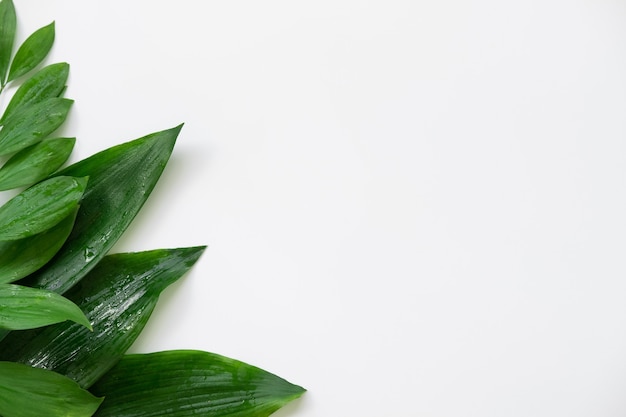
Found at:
(21, 257)
(32, 392)
(8, 26)
(117, 296)
(190, 383)
(47, 83)
(40, 207)
(32, 51)
(35, 163)
(27, 308)
(120, 180)
(33, 124)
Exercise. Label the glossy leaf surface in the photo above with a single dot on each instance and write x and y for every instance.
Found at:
(32, 392)
(190, 383)
(40, 207)
(32, 51)
(35, 163)
(33, 124)
(8, 25)
(117, 296)
(49, 82)
(120, 180)
(28, 308)
(21, 257)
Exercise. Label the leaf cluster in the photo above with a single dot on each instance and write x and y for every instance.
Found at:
(69, 310)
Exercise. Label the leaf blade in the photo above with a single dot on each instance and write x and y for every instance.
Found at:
(120, 180)
(24, 308)
(40, 207)
(21, 257)
(32, 51)
(32, 392)
(8, 26)
(185, 383)
(33, 124)
(33, 164)
(49, 82)
(119, 293)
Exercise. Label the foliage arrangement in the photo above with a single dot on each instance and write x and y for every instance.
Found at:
(69, 310)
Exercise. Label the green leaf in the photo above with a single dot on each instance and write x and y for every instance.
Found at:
(120, 180)
(190, 383)
(40, 207)
(27, 308)
(32, 51)
(117, 296)
(33, 124)
(8, 25)
(35, 163)
(21, 257)
(31, 392)
(47, 83)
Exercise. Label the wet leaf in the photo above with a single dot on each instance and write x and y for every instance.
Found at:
(32, 51)
(8, 25)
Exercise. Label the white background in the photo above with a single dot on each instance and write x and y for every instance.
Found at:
(413, 208)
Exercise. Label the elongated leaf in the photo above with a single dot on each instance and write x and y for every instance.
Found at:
(7, 36)
(47, 83)
(120, 180)
(21, 257)
(190, 383)
(28, 308)
(32, 51)
(117, 296)
(32, 392)
(35, 163)
(40, 207)
(33, 124)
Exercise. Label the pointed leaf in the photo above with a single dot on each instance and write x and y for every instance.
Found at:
(117, 296)
(32, 392)
(40, 207)
(28, 308)
(21, 257)
(47, 83)
(190, 383)
(32, 51)
(120, 180)
(33, 124)
(8, 26)
(35, 163)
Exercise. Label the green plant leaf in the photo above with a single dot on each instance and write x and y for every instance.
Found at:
(21, 257)
(32, 51)
(8, 26)
(49, 82)
(190, 383)
(117, 296)
(28, 308)
(35, 163)
(40, 207)
(32, 392)
(120, 180)
(33, 124)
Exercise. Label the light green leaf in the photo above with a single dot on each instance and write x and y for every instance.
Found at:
(33, 124)
(32, 51)
(120, 180)
(8, 25)
(35, 163)
(28, 308)
(32, 392)
(49, 82)
(190, 383)
(21, 257)
(118, 296)
(40, 207)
